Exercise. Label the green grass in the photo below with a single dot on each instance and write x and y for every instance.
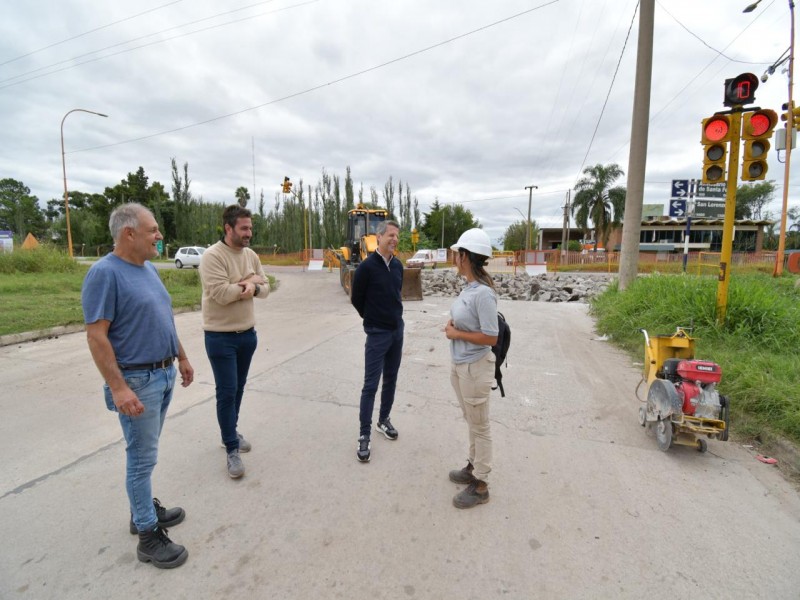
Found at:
(757, 347)
(41, 288)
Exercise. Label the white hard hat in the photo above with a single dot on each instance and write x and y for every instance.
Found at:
(476, 241)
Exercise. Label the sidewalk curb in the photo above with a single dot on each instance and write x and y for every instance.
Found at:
(54, 332)
(32, 336)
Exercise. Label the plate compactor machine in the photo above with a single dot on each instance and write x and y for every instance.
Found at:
(683, 405)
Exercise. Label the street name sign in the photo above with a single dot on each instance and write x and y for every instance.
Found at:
(708, 209)
(710, 190)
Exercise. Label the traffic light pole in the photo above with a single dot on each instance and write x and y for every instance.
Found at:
(730, 215)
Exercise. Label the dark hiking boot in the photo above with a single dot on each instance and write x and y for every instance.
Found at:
(362, 452)
(476, 493)
(463, 475)
(167, 517)
(155, 547)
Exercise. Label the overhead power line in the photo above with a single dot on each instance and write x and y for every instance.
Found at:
(75, 37)
(322, 85)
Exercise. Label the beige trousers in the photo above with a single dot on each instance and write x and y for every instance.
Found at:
(473, 384)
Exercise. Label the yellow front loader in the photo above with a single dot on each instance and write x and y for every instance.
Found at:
(361, 241)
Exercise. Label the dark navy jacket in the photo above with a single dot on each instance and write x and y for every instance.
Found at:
(376, 292)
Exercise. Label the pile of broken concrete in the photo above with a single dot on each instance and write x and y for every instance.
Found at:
(547, 287)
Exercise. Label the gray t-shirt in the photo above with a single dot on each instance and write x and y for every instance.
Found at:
(475, 309)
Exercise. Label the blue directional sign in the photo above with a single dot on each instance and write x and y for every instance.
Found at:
(680, 188)
(677, 208)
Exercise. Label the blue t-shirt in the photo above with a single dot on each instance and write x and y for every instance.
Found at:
(475, 309)
(138, 305)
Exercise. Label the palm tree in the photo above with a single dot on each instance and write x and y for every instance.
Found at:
(595, 199)
(242, 196)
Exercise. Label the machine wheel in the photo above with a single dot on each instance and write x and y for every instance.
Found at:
(725, 410)
(702, 445)
(664, 434)
(347, 281)
(642, 416)
(178, 264)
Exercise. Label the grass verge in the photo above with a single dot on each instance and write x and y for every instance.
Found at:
(41, 288)
(756, 347)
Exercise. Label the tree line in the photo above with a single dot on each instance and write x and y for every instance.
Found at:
(315, 215)
(312, 215)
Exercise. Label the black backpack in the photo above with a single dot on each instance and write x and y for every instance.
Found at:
(500, 350)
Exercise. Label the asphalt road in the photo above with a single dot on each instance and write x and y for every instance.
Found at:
(583, 504)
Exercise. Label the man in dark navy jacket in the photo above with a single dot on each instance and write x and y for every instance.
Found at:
(376, 296)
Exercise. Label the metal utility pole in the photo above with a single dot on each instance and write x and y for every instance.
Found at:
(530, 189)
(789, 125)
(637, 159)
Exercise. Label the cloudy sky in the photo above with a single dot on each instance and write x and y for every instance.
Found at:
(467, 101)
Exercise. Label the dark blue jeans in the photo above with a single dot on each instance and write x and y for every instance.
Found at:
(382, 353)
(230, 354)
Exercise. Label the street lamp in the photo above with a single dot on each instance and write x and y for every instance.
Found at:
(64, 168)
(778, 270)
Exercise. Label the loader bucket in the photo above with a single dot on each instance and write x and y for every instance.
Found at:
(412, 284)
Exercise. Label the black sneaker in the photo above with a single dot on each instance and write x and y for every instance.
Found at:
(167, 517)
(157, 548)
(363, 448)
(387, 429)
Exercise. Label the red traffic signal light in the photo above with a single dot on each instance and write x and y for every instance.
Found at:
(715, 136)
(740, 90)
(757, 128)
(287, 185)
(716, 129)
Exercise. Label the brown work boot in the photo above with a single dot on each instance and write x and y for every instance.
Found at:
(476, 493)
(463, 475)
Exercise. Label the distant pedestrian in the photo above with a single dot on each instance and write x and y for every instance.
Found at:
(231, 275)
(132, 337)
(375, 294)
(472, 331)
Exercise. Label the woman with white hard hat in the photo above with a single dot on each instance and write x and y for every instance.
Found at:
(472, 331)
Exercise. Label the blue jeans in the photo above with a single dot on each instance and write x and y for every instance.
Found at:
(230, 354)
(154, 389)
(382, 353)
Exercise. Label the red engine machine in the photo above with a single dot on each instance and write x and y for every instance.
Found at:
(683, 404)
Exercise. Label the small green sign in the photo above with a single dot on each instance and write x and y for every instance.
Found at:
(160, 246)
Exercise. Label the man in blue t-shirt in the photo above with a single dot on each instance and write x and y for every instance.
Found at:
(133, 341)
(375, 294)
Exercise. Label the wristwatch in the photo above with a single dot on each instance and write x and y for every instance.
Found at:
(258, 290)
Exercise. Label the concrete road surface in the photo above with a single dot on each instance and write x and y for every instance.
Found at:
(583, 504)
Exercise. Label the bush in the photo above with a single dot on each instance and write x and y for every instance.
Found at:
(38, 260)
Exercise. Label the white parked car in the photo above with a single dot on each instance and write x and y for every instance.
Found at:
(189, 256)
(422, 259)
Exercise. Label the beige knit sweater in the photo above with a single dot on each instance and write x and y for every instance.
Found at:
(221, 269)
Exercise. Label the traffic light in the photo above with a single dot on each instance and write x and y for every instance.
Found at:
(757, 128)
(793, 115)
(715, 137)
(740, 90)
(287, 185)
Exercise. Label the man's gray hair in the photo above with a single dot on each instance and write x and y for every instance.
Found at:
(125, 215)
(381, 228)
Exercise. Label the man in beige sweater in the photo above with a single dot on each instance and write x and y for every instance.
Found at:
(231, 275)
